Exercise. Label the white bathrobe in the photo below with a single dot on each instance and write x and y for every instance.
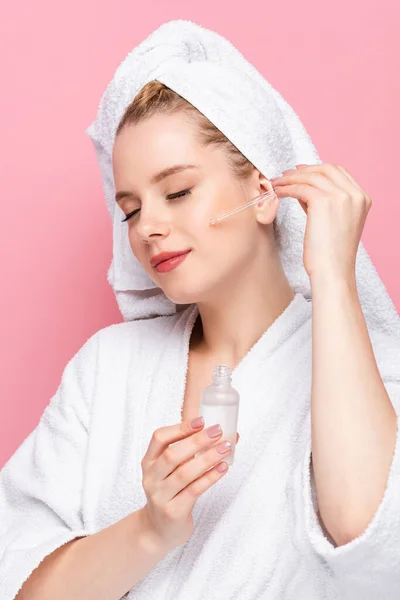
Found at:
(257, 533)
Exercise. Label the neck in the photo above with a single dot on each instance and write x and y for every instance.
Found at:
(228, 327)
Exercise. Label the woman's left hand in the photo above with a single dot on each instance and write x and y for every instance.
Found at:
(336, 208)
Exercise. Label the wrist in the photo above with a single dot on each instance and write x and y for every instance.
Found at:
(330, 281)
(149, 540)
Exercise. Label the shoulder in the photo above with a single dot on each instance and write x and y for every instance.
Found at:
(111, 349)
(113, 346)
(138, 334)
(140, 328)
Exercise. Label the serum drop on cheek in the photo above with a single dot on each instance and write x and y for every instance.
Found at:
(219, 403)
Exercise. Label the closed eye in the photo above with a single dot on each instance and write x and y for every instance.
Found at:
(170, 197)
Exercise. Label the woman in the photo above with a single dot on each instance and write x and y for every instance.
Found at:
(105, 498)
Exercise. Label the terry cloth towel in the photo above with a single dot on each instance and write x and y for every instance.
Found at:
(257, 533)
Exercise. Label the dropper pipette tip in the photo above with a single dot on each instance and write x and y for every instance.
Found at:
(258, 200)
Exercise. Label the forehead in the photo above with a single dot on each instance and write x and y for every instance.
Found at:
(157, 143)
(155, 135)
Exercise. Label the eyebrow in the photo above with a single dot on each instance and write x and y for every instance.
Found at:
(157, 178)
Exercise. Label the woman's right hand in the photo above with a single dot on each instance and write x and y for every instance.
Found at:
(174, 478)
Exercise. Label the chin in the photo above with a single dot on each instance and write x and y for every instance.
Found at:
(184, 292)
(184, 298)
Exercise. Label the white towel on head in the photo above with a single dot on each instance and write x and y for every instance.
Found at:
(210, 73)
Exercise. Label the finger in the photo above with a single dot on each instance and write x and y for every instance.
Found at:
(181, 452)
(193, 469)
(317, 180)
(338, 175)
(302, 204)
(303, 193)
(185, 500)
(314, 176)
(164, 436)
(347, 174)
(190, 457)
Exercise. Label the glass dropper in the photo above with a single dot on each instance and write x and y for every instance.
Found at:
(257, 200)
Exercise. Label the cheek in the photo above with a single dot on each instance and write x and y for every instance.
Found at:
(213, 203)
(133, 242)
(139, 250)
(202, 212)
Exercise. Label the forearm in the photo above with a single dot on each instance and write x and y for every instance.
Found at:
(102, 566)
(353, 421)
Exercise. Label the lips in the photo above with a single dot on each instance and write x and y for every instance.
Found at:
(171, 264)
(164, 256)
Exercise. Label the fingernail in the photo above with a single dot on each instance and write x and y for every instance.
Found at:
(214, 430)
(223, 447)
(197, 422)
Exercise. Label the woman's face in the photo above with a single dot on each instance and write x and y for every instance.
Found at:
(220, 253)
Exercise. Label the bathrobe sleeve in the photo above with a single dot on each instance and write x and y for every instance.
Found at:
(367, 567)
(41, 484)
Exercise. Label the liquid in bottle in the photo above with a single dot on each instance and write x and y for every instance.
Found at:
(219, 404)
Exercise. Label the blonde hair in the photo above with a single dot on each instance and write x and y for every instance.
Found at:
(156, 98)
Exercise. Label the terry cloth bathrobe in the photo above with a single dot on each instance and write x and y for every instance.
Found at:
(257, 530)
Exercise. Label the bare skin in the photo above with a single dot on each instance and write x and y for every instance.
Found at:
(239, 288)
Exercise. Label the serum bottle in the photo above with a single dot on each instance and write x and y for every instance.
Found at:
(219, 403)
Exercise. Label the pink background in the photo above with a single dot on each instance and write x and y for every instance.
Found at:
(337, 64)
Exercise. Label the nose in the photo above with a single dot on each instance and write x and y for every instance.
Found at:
(152, 224)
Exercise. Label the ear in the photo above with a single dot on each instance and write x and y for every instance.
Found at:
(266, 210)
